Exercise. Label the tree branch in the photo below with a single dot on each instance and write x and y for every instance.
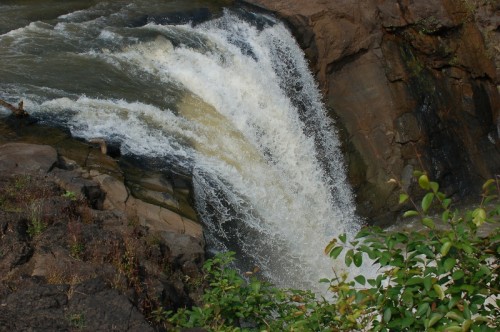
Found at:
(17, 111)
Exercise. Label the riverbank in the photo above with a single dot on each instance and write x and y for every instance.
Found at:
(78, 251)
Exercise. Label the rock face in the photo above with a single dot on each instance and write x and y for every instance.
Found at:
(412, 84)
(78, 252)
(21, 158)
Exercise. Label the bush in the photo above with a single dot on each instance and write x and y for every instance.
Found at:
(442, 279)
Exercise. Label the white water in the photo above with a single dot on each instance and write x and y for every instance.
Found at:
(239, 110)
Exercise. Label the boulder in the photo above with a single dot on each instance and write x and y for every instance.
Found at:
(22, 158)
(156, 218)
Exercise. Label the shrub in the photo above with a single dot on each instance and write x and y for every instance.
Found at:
(442, 279)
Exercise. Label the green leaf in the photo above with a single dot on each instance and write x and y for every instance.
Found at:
(435, 317)
(466, 311)
(478, 216)
(427, 222)
(454, 316)
(446, 203)
(490, 198)
(342, 237)
(453, 301)
(446, 216)
(445, 248)
(407, 321)
(417, 173)
(410, 213)
(360, 280)
(423, 181)
(468, 288)
(414, 281)
(434, 186)
(449, 263)
(387, 315)
(348, 257)
(422, 309)
(466, 325)
(403, 198)
(439, 291)
(428, 283)
(488, 183)
(358, 259)
(407, 298)
(459, 274)
(336, 252)
(427, 201)
(330, 246)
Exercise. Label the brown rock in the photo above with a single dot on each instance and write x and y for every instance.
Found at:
(21, 158)
(152, 216)
(414, 84)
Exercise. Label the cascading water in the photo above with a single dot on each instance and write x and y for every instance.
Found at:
(231, 101)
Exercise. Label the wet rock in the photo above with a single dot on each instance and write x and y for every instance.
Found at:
(152, 216)
(407, 129)
(183, 248)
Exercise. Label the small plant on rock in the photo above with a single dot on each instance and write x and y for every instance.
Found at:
(69, 195)
(75, 239)
(35, 224)
(77, 321)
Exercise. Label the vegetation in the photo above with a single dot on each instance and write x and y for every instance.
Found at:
(443, 279)
(35, 226)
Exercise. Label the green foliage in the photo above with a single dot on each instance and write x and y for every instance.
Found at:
(69, 195)
(231, 302)
(76, 250)
(442, 279)
(35, 226)
(77, 321)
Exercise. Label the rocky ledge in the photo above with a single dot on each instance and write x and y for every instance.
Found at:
(77, 251)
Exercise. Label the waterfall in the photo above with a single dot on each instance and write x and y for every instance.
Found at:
(232, 102)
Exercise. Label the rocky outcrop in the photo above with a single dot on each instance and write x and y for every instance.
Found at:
(77, 251)
(22, 158)
(412, 84)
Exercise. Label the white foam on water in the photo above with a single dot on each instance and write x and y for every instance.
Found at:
(268, 174)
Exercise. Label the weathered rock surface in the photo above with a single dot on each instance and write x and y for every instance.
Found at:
(412, 84)
(22, 158)
(77, 251)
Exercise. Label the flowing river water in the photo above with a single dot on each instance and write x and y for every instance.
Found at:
(223, 94)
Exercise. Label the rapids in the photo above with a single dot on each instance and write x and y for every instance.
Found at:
(229, 101)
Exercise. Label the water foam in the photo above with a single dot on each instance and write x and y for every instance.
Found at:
(242, 112)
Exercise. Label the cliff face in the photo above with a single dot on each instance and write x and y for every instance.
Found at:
(412, 84)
